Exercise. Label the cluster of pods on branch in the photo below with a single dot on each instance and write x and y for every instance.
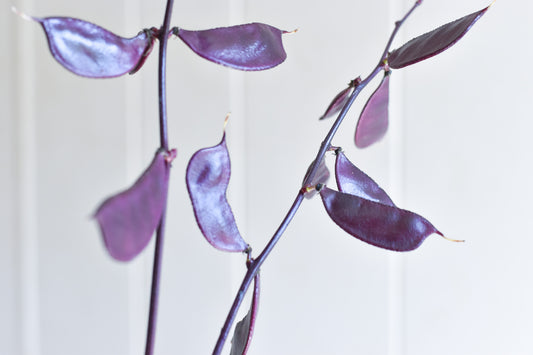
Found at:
(359, 206)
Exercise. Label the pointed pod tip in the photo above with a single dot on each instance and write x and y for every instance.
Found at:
(450, 239)
(23, 15)
(290, 32)
(226, 121)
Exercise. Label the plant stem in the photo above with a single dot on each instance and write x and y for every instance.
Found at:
(154, 295)
(163, 40)
(163, 134)
(253, 269)
(256, 264)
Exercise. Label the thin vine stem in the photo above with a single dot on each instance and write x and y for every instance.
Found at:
(163, 133)
(253, 269)
(256, 264)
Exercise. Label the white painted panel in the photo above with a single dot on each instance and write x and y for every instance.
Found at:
(80, 159)
(9, 321)
(323, 291)
(468, 145)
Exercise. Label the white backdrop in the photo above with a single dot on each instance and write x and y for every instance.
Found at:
(457, 152)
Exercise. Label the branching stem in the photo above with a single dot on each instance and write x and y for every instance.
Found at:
(255, 265)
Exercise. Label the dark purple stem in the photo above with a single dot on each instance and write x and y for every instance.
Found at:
(163, 133)
(256, 264)
(253, 269)
(154, 295)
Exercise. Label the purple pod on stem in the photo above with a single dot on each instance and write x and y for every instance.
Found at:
(378, 224)
(340, 99)
(365, 211)
(244, 330)
(374, 119)
(434, 42)
(207, 177)
(91, 51)
(253, 46)
(353, 181)
(128, 220)
(321, 177)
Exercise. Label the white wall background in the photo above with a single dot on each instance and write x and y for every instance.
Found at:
(458, 152)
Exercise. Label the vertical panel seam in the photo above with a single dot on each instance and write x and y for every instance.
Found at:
(239, 143)
(25, 157)
(138, 270)
(396, 272)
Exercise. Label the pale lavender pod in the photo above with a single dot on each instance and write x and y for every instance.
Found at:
(321, 177)
(253, 46)
(374, 119)
(353, 181)
(434, 42)
(244, 329)
(207, 177)
(340, 99)
(378, 224)
(128, 220)
(91, 51)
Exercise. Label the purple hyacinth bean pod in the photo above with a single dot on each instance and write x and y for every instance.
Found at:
(91, 51)
(378, 224)
(434, 42)
(321, 177)
(245, 328)
(353, 181)
(253, 46)
(340, 99)
(128, 220)
(374, 119)
(207, 177)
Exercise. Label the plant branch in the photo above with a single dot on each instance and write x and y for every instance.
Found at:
(253, 269)
(357, 90)
(163, 133)
(256, 264)
(163, 40)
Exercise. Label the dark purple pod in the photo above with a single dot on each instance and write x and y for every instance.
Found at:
(378, 224)
(321, 177)
(253, 46)
(128, 220)
(374, 119)
(92, 51)
(340, 99)
(353, 181)
(208, 175)
(434, 42)
(244, 330)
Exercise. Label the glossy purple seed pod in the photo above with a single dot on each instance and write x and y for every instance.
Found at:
(128, 220)
(91, 51)
(375, 223)
(244, 329)
(340, 99)
(374, 119)
(207, 178)
(253, 46)
(434, 42)
(353, 181)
